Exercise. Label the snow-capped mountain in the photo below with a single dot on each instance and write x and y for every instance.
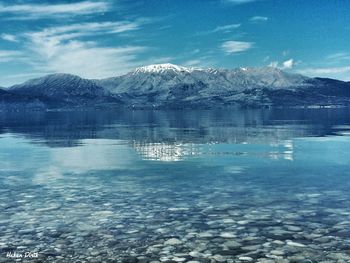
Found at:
(162, 77)
(172, 86)
(162, 68)
(157, 85)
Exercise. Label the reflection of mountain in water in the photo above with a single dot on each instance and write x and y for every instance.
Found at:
(163, 133)
(167, 152)
(170, 152)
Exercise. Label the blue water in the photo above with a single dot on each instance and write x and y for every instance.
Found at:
(195, 186)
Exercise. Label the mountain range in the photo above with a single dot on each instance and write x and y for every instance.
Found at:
(172, 86)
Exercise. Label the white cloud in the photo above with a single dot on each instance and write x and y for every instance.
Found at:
(226, 28)
(236, 46)
(85, 59)
(285, 53)
(340, 56)
(90, 61)
(37, 11)
(322, 71)
(288, 64)
(259, 19)
(8, 37)
(273, 64)
(328, 72)
(9, 55)
(12, 79)
(239, 2)
(195, 51)
(66, 49)
(193, 63)
(202, 62)
(267, 58)
(61, 33)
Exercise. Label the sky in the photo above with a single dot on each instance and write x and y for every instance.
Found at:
(105, 38)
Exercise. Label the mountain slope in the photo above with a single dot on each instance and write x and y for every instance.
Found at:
(59, 90)
(13, 101)
(162, 77)
(167, 85)
(172, 86)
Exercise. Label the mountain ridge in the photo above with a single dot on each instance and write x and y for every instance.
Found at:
(171, 86)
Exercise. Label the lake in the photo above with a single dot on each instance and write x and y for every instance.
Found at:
(229, 185)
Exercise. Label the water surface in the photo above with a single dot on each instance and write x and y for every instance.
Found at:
(176, 186)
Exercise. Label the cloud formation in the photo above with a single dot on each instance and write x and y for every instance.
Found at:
(329, 70)
(226, 28)
(340, 72)
(9, 55)
(70, 49)
(37, 11)
(231, 47)
(239, 2)
(273, 64)
(338, 57)
(259, 19)
(67, 32)
(8, 37)
(288, 64)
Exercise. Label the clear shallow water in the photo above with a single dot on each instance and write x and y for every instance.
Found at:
(205, 186)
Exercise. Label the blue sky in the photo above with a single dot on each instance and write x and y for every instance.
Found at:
(97, 39)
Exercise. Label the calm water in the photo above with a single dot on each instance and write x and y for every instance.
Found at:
(194, 186)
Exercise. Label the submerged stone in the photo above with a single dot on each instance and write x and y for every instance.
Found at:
(295, 244)
(172, 242)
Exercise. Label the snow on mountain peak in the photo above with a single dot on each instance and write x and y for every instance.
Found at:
(161, 68)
